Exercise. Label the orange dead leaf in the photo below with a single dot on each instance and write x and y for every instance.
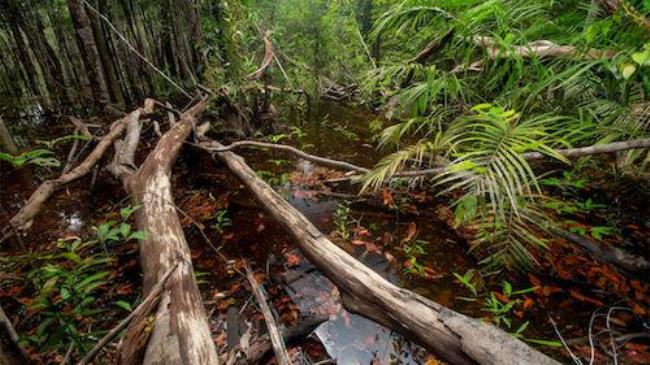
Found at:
(387, 198)
(583, 298)
(411, 231)
(292, 259)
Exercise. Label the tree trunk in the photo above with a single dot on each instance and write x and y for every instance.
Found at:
(180, 332)
(6, 140)
(25, 59)
(450, 335)
(89, 53)
(101, 39)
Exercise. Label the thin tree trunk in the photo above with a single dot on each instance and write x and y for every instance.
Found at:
(89, 53)
(101, 39)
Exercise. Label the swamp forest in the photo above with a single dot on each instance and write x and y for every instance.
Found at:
(317, 182)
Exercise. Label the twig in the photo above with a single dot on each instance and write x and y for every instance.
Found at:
(151, 297)
(559, 335)
(276, 339)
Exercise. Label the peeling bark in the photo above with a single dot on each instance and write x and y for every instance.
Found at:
(450, 335)
(180, 332)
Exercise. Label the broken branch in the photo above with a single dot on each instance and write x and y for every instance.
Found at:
(276, 339)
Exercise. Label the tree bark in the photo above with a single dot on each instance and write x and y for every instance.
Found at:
(102, 39)
(89, 53)
(180, 332)
(6, 140)
(450, 335)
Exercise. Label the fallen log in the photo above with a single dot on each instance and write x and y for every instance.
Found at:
(25, 216)
(452, 336)
(180, 333)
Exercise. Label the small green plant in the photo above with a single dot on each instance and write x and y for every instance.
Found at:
(341, 220)
(38, 157)
(413, 267)
(276, 138)
(349, 135)
(112, 232)
(67, 286)
(466, 280)
(500, 308)
(221, 220)
(298, 133)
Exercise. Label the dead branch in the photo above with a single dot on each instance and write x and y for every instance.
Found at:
(11, 353)
(268, 57)
(149, 302)
(81, 127)
(453, 336)
(608, 253)
(277, 343)
(569, 152)
(432, 47)
(540, 48)
(313, 158)
(24, 218)
(180, 334)
(259, 347)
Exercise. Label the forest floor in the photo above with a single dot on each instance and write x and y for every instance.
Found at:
(407, 237)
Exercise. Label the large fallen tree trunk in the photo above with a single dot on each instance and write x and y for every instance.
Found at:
(450, 335)
(180, 333)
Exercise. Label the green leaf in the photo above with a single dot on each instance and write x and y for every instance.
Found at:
(124, 305)
(549, 343)
(627, 71)
(138, 235)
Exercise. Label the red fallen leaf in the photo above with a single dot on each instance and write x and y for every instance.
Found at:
(502, 298)
(548, 290)
(387, 198)
(125, 289)
(535, 282)
(637, 309)
(636, 347)
(411, 231)
(228, 236)
(431, 274)
(583, 298)
(360, 232)
(528, 303)
(519, 314)
(292, 259)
